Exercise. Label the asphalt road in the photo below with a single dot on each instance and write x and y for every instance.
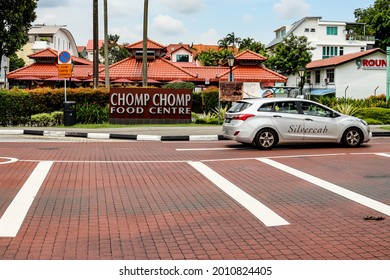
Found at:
(202, 200)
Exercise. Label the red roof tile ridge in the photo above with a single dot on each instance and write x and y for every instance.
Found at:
(41, 53)
(248, 54)
(151, 45)
(336, 60)
(178, 67)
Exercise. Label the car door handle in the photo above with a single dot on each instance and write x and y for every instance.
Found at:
(277, 116)
(308, 119)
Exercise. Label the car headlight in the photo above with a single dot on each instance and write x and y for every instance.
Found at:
(363, 122)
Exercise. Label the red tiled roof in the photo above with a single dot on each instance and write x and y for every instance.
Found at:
(90, 44)
(250, 55)
(46, 70)
(50, 53)
(175, 47)
(152, 45)
(207, 72)
(254, 73)
(337, 60)
(46, 53)
(158, 69)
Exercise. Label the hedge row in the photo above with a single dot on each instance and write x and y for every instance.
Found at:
(17, 106)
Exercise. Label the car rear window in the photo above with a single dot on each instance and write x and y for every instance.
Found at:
(239, 107)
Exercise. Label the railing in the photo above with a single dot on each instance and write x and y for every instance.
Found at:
(351, 37)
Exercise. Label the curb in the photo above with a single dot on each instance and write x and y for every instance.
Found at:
(93, 135)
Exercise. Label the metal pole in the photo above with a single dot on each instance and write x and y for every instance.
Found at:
(388, 74)
(65, 89)
(107, 74)
(145, 46)
(95, 44)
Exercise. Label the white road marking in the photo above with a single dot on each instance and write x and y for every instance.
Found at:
(9, 160)
(13, 217)
(368, 202)
(383, 155)
(259, 210)
(205, 149)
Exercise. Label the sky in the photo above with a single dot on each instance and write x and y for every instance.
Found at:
(191, 21)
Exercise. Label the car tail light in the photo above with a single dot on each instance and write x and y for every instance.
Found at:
(243, 117)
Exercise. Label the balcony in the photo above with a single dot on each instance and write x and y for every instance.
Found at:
(365, 38)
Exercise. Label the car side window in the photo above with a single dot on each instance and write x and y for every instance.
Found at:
(289, 107)
(312, 109)
(267, 107)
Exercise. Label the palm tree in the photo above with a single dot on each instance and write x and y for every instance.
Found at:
(223, 43)
(145, 46)
(233, 40)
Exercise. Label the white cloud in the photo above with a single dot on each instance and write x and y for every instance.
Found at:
(121, 8)
(53, 3)
(186, 6)
(168, 25)
(247, 18)
(288, 9)
(209, 37)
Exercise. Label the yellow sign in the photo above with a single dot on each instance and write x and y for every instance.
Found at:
(64, 70)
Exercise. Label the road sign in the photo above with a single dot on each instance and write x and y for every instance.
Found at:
(64, 57)
(64, 70)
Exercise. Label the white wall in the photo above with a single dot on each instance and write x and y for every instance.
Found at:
(361, 82)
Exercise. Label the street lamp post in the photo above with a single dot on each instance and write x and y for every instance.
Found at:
(230, 60)
(301, 74)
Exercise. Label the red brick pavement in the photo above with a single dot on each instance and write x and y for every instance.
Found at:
(100, 202)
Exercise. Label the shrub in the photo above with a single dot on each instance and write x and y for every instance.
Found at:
(47, 119)
(91, 113)
(381, 115)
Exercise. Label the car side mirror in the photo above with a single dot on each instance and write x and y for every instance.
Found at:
(335, 115)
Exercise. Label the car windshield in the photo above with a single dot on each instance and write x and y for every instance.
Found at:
(239, 107)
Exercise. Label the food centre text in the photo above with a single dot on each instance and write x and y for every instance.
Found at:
(150, 105)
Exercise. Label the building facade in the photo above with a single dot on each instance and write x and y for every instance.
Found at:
(41, 37)
(357, 75)
(329, 38)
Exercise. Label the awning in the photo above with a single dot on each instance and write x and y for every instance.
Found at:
(322, 91)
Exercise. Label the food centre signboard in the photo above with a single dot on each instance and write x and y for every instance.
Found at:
(150, 105)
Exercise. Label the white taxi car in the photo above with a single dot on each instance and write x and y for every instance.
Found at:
(266, 122)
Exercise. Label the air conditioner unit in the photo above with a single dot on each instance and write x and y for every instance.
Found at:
(326, 80)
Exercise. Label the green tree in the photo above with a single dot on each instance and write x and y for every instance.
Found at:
(213, 58)
(251, 44)
(15, 62)
(223, 43)
(290, 55)
(15, 21)
(233, 40)
(377, 18)
(116, 52)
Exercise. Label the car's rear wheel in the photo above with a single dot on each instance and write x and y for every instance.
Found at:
(352, 137)
(266, 139)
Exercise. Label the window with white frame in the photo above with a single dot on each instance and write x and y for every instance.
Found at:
(330, 75)
(182, 58)
(331, 30)
(329, 51)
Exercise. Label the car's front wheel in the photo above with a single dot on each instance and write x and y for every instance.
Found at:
(352, 137)
(266, 139)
